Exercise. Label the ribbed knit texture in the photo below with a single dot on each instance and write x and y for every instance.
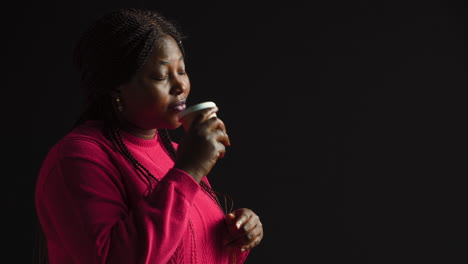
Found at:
(95, 207)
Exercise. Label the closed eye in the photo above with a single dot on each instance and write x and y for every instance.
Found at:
(158, 78)
(161, 78)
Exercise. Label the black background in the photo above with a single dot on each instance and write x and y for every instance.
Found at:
(347, 119)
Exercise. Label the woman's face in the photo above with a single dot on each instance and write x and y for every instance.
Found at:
(157, 93)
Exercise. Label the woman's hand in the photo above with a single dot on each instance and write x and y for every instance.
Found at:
(244, 229)
(202, 145)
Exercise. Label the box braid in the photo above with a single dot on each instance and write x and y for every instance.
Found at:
(112, 50)
(167, 143)
(40, 254)
(169, 147)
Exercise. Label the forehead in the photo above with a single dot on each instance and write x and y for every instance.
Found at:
(164, 51)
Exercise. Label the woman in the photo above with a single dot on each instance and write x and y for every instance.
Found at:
(116, 189)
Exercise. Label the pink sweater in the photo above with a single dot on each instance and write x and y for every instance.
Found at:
(94, 207)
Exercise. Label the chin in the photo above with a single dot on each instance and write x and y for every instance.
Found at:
(176, 126)
(171, 125)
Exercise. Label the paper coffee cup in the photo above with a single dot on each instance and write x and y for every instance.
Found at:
(188, 115)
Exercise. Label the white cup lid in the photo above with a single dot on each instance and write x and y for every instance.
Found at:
(197, 107)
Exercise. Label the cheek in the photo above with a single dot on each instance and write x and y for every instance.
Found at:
(138, 98)
(151, 103)
(187, 85)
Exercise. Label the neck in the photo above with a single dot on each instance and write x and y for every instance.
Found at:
(139, 132)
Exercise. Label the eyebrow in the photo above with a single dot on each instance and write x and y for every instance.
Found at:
(164, 62)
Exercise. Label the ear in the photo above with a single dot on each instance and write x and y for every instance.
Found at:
(116, 92)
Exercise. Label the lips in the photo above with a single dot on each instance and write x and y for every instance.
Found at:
(179, 106)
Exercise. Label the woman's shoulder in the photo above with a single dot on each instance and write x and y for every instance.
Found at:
(84, 142)
(89, 136)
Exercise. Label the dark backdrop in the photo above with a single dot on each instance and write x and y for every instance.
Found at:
(346, 119)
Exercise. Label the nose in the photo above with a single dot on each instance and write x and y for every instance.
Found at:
(179, 85)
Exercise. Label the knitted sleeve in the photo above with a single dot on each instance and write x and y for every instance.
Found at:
(82, 200)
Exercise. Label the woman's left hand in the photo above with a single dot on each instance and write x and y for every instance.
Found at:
(244, 229)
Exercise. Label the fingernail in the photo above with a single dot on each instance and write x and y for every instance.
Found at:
(242, 249)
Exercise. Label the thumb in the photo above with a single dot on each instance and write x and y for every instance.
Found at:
(230, 218)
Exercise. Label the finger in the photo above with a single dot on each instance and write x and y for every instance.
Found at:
(215, 123)
(254, 233)
(241, 221)
(251, 245)
(211, 113)
(253, 238)
(252, 228)
(250, 232)
(223, 138)
(253, 222)
(221, 125)
(221, 151)
(243, 214)
(235, 242)
(229, 218)
(204, 114)
(246, 240)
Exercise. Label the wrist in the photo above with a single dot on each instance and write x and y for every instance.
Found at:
(195, 174)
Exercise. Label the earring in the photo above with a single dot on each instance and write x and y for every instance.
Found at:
(119, 105)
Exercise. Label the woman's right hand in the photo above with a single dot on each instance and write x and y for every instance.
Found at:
(202, 145)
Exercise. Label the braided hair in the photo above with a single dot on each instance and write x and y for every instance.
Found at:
(107, 55)
(111, 51)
